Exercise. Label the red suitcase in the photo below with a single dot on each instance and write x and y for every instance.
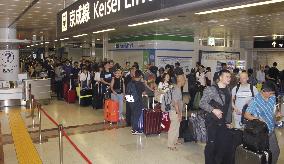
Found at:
(65, 90)
(152, 120)
(71, 96)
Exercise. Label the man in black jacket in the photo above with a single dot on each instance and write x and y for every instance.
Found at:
(216, 101)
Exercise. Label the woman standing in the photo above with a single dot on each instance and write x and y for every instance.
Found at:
(118, 90)
(163, 86)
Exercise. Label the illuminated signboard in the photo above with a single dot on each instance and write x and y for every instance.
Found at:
(269, 44)
(86, 15)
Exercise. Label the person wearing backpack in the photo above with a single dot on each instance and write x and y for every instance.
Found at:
(135, 88)
(241, 96)
(262, 108)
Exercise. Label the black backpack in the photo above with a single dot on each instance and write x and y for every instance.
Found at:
(243, 120)
(255, 136)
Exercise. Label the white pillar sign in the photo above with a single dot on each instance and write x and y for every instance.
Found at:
(9, 65)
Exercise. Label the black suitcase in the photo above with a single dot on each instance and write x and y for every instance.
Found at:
(186, 129)
(246, 156)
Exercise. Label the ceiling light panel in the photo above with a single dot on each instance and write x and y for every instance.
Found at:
(239, 7)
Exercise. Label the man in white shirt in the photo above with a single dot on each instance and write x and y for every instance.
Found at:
(260, 75)
(242, 95)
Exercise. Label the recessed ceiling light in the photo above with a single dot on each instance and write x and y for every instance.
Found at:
(221, 25)
(98, 39)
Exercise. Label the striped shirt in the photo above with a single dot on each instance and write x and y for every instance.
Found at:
(264, 110)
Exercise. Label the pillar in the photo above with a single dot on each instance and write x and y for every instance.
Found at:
(9, 55)
(105, 46)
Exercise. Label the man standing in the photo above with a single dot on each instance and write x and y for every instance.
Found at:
(216, 101)
(216, 77)
(106, 77)
(241, 96)
(175, 113)
(263, 108)
(135, 88)
(273, 73)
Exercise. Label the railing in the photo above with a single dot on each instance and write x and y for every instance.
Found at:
(61, 132)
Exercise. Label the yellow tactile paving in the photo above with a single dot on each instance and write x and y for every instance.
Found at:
(25, 149)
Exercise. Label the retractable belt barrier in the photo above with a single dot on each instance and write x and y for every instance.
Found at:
(61, 131)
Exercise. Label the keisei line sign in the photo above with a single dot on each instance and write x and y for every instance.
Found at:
(87, 15)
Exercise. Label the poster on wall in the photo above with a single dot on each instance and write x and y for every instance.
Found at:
(9, 65)
(185, 62)
(148, 57)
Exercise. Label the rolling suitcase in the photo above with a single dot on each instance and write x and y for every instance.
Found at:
(199, 127)
(186, 128)
(152, 120)
(111, 111)
(246, 156)
(98, 98)
(71, 94)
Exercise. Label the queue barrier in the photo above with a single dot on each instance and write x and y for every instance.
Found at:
(61, 132)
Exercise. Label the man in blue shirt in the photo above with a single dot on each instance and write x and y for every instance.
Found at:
(262, 107)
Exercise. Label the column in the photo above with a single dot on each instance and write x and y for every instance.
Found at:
(9, 55)
(93, 47)
(105, 46)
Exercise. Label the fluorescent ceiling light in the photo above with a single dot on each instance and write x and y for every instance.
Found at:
(106, 30)
(84, 34)
(76, 36)
(41, 43)
(149, 22)
(98, 39)
(32, 45)
(66, 38)
(239, 7)
(55, 40)
(36, 44)
(62, 39)
(259, 36)
(28, 46)
(278, 35)
(46, 42)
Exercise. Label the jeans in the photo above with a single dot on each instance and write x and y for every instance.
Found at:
(136, 110)
(119, 98)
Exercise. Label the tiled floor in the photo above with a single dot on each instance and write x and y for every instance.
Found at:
(101, 144)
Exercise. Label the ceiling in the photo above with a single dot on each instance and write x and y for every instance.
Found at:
(40, 20)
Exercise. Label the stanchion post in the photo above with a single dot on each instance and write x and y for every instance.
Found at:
(32, 112)
(30, 95)
(60, 129)
(39, 128)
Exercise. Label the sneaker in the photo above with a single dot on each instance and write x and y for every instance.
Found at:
(136, 133)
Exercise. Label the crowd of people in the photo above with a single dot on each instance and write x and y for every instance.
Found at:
(234, 90)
